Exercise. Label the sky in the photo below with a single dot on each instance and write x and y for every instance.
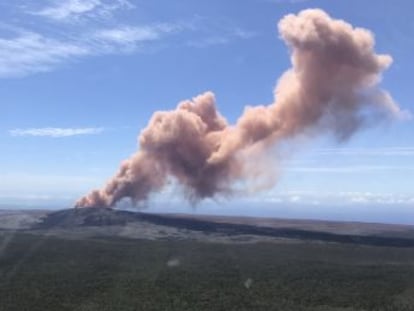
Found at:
(79, 79)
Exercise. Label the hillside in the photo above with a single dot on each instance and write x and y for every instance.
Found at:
(96, 221)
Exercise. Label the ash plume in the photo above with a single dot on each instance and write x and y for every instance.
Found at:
(332, 87)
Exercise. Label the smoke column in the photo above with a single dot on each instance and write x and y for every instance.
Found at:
(332, 87)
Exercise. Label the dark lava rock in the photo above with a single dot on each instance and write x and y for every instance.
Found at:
(78, 217)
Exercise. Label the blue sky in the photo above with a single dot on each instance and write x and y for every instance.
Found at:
(80, 78)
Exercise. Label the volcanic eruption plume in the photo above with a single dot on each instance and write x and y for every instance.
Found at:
(332, 87)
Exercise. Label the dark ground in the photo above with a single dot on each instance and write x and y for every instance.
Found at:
(366, 234)
(50, 273)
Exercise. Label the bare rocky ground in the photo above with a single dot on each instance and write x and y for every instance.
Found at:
(28, 221)
(356, 228)
(89, 223)
(20, 219)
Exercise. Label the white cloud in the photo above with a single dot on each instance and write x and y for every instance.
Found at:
(349, 169)
(390, 151)
(56, 132)
(30, 52)
(336, 198)
(224, 36)
(43, 48)
(208, 41)
(128, 36)
(295, 198)
(69, 10)
(243, 34)
(29, 197)
(287, 1)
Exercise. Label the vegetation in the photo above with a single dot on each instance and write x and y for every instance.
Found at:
(46, 273)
